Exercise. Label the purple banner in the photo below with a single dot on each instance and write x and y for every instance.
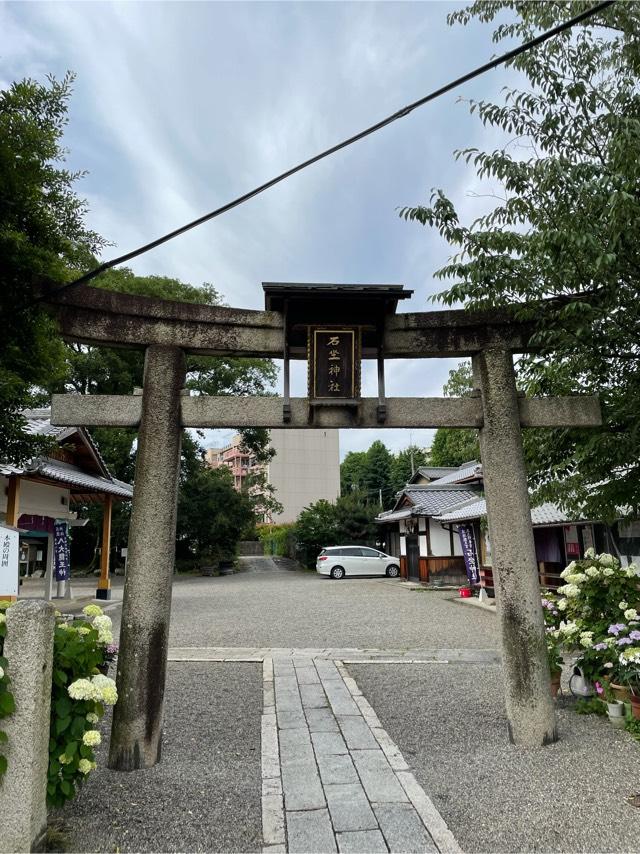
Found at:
(468, 543)
(61, 565)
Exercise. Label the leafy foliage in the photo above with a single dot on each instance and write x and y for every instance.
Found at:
(212, 515)
(563, 227)
(348, 520)
(43, 241)
(7, 702)
(453, 447)
(276, 539)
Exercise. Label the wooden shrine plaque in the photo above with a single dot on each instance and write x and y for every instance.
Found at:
(334, 363)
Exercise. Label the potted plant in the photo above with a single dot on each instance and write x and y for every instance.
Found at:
(615, 707)
(630, 671)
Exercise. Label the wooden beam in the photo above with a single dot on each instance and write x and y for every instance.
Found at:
(239, 412)
(104, 582)
(13, 501)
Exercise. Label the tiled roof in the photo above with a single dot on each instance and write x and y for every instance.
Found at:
(469, 470)
(74, 476)
(433, 472)
(545, 514)
(431, 502)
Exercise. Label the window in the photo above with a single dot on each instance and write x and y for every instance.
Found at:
(351, 552)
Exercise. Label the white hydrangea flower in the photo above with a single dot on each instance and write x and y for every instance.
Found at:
(3, 618)
(105, 636)
(1, 672)
(606, 560)
(105, 689)
(590, 553)
(576, 578)
(569, 569)
(82, 689)
(630, 614)
(631, 570)
(607, 571)
(623, 605)
(84, 630)
(91, 738)
(571, 591)
(568, 628)
(92, 718)
(586, 638)
(63, 759)
(84, 766)
(593, 572)
(92, 611)
(102, 622)
(562, 604)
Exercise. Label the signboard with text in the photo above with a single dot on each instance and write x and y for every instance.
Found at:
(61, 562)
(9, 555)
(468, 543)
(334, 363)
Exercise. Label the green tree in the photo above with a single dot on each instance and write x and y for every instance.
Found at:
(348, 520)
(453, 446)
(405, 463)
(212, 514)
(560, 242)
(43, 241)
(352, 472)
(377, 474)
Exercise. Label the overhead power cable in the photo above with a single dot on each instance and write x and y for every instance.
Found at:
(400, 114)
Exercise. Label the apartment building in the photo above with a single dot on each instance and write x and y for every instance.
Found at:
(305, 468)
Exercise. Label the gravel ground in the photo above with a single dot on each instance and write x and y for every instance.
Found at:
(205, 794)
(266, 606)
(449, 723)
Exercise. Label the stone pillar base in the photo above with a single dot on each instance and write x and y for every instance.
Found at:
(103, 594)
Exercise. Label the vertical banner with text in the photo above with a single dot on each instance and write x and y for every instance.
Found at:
(334, 363)
(61, 563)
(9, 548)
(468, 543)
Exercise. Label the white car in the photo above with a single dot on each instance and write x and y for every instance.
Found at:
(338, 561)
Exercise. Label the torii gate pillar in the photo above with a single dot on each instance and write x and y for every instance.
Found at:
(137, 724)
(529, 704)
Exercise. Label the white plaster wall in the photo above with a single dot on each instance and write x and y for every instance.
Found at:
(403, 538)
(38, 499)
(440, 543)
(305, 469)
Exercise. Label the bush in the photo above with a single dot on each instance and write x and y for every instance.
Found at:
(277, 539)
(7, 703)
(79, 694)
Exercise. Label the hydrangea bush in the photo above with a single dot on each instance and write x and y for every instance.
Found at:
(78, 699)
(597, 613)
(7, 703)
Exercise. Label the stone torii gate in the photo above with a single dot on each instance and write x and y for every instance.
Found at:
(168, 331)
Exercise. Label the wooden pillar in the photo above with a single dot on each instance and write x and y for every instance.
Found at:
(104, 582)
(13, 501)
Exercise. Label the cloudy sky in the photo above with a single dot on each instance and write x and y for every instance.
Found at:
(179, 107)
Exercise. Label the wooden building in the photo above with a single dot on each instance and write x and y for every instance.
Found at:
(429, 551)
(40, 498)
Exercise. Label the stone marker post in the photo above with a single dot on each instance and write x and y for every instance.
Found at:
(137, 722)
(530, 708)
(28, 648)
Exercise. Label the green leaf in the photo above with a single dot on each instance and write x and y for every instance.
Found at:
(70, 749)
(66, 787)
(3, 765)
(4, 738)
(63, 707)
(7, 703)
(62, 724)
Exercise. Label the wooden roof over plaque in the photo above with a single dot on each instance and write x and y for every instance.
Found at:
(313, 303)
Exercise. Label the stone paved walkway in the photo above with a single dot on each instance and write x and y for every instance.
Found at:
(332, 779)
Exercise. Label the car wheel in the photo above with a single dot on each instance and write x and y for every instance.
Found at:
(337, 572)
(393, 571)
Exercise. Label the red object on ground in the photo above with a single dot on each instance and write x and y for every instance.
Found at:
(465, 592)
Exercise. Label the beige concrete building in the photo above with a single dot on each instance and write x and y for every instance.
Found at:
(305, 468)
